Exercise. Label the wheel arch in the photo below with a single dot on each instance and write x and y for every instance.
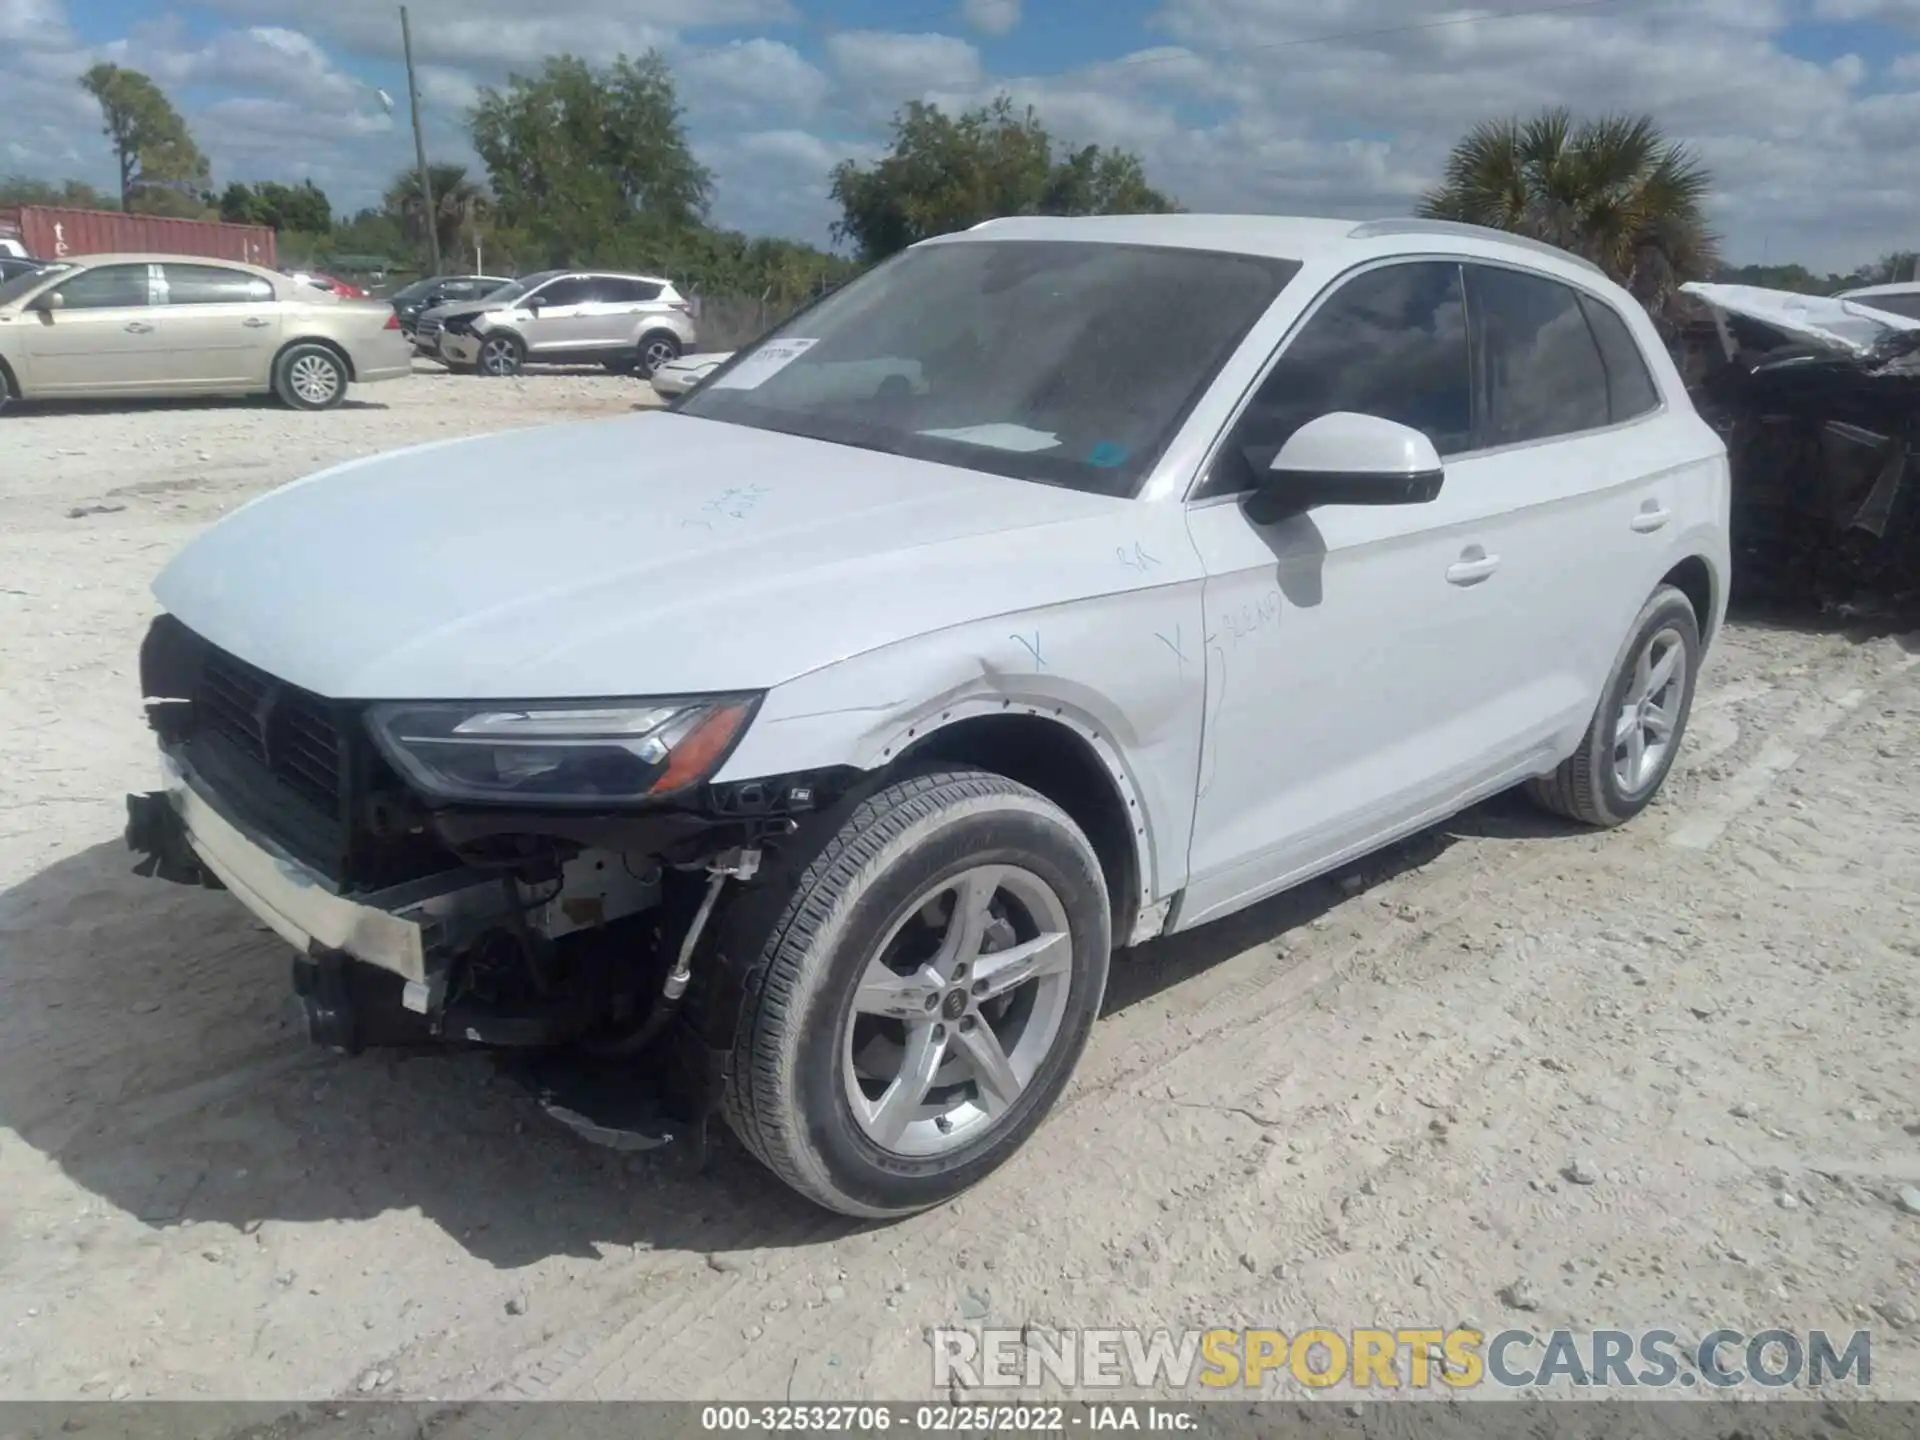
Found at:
(332, 346)
(1070, 765)
(1693, 577)
(12, 379)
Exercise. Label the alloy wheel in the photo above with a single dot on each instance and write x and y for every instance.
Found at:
(1649, 711)
(656, 353)
(957, 1011)
(315, 379)
(499, 357)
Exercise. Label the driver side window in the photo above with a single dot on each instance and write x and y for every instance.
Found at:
(1390, 342)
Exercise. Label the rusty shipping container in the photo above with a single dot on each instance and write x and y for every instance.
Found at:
(53, 232)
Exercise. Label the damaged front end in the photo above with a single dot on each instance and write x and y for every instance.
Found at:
(1818, 401)
(581, 941)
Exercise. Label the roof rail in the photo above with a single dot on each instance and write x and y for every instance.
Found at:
(1373, 229)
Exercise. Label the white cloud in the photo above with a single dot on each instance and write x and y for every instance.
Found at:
(752, 75)
(991, 17)
(1907, 67)
(889, 69)
(1891, 12)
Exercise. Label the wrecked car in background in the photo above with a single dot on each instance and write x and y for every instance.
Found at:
(1818, 400)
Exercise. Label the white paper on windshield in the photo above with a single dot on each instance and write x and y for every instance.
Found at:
(765, 363)
(999, 437)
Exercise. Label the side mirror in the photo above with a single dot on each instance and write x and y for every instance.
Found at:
(48, 303)
(533, 301)
(1347, 459)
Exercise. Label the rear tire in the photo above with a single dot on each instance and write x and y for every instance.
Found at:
(6, 388)
(1636, 732)
(868, 992)
(310, 377)
(655, 350)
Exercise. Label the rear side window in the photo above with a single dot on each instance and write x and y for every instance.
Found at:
(1631, 392)
(1390, 342)
(1540, 368)
(211, 285)
(106, 287)
(628, 292)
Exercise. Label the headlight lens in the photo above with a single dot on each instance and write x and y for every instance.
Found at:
(562, 752)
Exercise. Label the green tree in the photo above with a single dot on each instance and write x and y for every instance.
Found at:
(19, 190)
(1613, 190)
(303, 207)
(583, 158)
(161, 169)
(948, 172)
(461, 209)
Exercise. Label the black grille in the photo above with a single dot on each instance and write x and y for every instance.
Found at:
(287, 732)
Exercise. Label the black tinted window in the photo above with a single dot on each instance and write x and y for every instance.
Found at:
(1630, 388)
(1538, 360)
(105, 288)
(573, 291)
(212, 285)
(627, 292)
(1391, 342)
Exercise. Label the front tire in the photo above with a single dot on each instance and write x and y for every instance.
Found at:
(1635, 734)
(923, 995)
(501, 356)
(310, 377)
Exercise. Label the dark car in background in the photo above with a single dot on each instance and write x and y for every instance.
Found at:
(413, 301)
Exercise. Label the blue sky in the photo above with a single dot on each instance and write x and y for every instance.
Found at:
(1807, 110)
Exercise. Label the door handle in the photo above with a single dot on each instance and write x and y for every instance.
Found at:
(139, 327)
(1651, 517)
(254, 322)
(1471, 569)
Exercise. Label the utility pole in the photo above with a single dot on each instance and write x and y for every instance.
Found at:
(420, 148)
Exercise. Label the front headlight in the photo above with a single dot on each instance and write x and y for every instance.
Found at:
(560, 752)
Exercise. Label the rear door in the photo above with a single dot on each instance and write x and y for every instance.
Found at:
(101, 338)
(1579, 489)
(622, 308)
(220, 326)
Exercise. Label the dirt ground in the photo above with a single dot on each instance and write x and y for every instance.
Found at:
(1353, 1105)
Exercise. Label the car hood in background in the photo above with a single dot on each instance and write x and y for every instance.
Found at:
(650, 554)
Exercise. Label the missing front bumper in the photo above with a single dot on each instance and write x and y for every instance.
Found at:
(182, 834)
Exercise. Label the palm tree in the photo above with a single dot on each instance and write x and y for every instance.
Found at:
(1613, 190)
(461, 208)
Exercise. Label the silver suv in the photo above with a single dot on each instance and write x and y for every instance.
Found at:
(625, 322)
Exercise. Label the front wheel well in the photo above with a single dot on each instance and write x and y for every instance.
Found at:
(1693, 578)
(1048, 757)
(330, 346)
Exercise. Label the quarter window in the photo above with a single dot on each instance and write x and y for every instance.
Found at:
(212, 285)
(1631, 392)
(1540, 366)
(106, 287)
(1390, 342)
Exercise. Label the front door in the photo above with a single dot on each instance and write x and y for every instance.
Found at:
(558, 323)
(1352, 652)
(219, 326)
(99, 337)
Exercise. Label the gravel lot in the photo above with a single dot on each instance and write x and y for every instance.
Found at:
(1357, 1104)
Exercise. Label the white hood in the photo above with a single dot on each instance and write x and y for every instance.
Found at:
(652, 554)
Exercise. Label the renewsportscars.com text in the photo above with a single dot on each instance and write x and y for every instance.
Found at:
(1395, 1358)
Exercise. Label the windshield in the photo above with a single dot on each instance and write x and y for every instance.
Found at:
(20, 284)
(1071, 363)
(417, 290)
(515, 288)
